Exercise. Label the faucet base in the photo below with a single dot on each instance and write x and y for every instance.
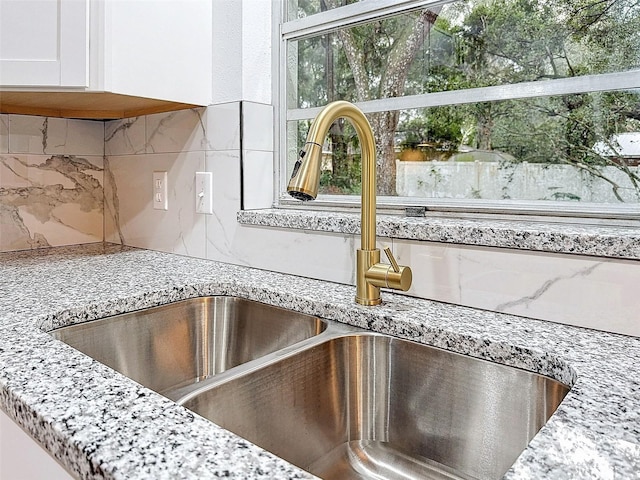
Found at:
(368, 303)
(366, 293)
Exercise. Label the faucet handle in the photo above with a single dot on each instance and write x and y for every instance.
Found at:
(389, 276)
(392, 260)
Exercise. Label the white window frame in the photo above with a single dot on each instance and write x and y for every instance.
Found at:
(362, 12)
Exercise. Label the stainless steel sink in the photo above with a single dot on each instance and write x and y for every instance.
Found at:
(338, 401)
(168, 347)
(377, 407)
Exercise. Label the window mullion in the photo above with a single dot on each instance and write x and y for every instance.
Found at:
(350, 15)
(564, 86)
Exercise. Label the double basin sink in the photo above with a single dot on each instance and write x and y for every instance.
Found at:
(337, 401)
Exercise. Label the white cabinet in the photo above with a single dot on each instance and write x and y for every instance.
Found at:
(23, 458)
(104, 58)
(43, 43)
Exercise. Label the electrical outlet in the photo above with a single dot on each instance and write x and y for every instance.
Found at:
(204, 192)
(160, 200)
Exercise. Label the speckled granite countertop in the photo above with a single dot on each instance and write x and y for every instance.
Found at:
(100, 424)
(602, 241)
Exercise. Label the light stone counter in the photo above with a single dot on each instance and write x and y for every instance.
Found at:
(99, 424)
(542, 236)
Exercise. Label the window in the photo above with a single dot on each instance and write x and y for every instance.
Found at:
(482, 104)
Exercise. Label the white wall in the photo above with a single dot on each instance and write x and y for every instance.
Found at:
(242, 51)
(517, 181)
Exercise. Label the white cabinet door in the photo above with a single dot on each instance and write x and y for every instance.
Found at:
(104, 59)
(23, 458)
(43, 43)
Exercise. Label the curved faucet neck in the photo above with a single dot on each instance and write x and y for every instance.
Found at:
(318, 132)
(371, 275)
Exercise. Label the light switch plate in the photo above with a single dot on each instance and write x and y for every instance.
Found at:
(160, 200)
(204, 192)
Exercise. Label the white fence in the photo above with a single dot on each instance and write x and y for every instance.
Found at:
(517, 181)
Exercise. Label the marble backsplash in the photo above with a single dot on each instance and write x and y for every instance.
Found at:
(183, 143)
(51, 182)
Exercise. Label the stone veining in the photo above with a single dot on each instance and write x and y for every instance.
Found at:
(45, 134)
(43, 197)
(111, 201)
(159, 130)
(545, 287)
(120, 129)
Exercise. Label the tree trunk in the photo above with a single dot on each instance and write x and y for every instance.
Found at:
(484, 126)
(339, 147)
(385, 124)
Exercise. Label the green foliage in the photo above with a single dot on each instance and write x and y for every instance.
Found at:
(565, 196)
(346, 183)
(440, 126)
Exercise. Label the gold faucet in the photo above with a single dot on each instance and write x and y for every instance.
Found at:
(305, 179)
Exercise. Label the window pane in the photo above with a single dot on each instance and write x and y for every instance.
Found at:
(304, 8)
(581, 148)
(575, 147)
(350, 64)
(464, 45)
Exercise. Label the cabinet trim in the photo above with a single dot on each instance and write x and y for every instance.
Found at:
(89, 105)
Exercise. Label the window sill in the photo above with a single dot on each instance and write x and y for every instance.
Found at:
(541, 236)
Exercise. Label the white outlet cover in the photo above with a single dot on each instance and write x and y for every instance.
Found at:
(204, 192)
(160, 200)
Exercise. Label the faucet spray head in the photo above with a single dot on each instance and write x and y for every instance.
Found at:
(305, 178)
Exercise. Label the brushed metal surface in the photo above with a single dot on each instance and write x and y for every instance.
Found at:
(341, 402)
(304, 183)
(371, 406)
(182, 343)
